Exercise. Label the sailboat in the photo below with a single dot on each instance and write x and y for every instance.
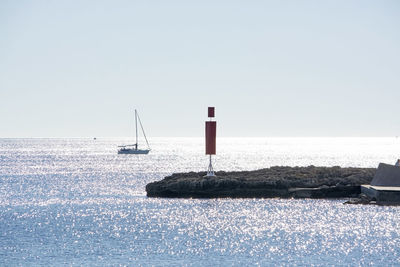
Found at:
(133, 149)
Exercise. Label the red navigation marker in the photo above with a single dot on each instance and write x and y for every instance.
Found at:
(211, 136)
(211, 112)
(211, 139)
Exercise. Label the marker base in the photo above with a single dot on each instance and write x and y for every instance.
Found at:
(210, 170)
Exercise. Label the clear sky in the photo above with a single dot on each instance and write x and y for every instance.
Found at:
(271, 68)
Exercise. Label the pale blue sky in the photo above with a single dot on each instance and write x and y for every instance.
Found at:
(271, 68)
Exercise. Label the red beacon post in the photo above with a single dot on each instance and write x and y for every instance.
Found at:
(211, 135)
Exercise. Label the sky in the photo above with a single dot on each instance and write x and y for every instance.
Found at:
(271, 68)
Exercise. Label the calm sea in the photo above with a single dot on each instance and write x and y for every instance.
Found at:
(76, 202)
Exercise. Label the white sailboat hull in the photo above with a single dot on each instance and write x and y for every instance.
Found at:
(133, 151)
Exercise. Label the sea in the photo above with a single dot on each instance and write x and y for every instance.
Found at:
(75, 201)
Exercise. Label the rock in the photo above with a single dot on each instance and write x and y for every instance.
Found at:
(362, 199)
(278, 181)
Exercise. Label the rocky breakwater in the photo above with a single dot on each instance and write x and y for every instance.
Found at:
(284, 182)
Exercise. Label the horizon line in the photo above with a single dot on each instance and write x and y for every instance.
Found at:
(127, 137)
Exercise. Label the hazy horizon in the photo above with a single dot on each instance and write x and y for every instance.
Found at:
(174, 137)
(270, 68)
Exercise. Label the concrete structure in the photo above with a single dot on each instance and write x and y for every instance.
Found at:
(386, 175)
(385, 186)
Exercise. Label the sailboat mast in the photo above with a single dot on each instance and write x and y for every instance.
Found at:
(136, 129)
(141, 126)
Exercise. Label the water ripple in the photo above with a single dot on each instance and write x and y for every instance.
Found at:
(76, 202)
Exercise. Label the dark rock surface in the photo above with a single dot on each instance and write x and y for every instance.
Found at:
(361, 199)
(285, 182)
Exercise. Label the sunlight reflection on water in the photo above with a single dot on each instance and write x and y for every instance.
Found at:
(75, 201)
